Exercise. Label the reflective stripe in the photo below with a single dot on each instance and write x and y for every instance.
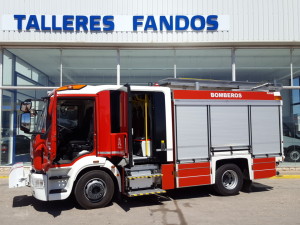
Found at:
(150, 176)
(117, 152)
(150, 193)
(113, 152)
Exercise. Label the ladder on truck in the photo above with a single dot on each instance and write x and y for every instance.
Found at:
(222, 85)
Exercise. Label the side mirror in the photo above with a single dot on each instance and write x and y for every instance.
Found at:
(25, 123)
(26, 105)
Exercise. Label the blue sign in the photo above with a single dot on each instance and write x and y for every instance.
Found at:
(71, 23)
(177, 23)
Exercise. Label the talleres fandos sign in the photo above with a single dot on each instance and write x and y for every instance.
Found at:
(111, 23)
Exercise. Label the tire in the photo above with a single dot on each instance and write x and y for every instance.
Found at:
(95, 189)
(292, 154)
(229, 180)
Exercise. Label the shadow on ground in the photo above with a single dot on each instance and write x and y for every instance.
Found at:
(54, 208)
(258, 187)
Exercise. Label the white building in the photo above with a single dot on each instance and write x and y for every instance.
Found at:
(46, 44)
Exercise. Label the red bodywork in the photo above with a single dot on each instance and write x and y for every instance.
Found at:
(38, 146)
(223, 95)
(264, 167)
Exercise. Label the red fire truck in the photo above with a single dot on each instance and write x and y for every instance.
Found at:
(99, 141)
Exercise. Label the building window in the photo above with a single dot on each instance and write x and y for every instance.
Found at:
(204, 64)
(14, 142)
(33, 67)
(141, 67)
(7, 68)
(84, 66)
(263, 65)
(296, 62)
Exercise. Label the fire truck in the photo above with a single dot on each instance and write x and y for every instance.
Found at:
(97, 142)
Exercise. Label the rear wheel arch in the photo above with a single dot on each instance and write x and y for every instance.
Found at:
(242, 163)
(236, 165)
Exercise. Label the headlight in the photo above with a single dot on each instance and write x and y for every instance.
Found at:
(37, 183)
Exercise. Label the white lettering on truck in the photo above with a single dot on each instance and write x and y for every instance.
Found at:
(226, 95)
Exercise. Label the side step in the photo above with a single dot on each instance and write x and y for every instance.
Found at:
(145, 192)
(144, 176)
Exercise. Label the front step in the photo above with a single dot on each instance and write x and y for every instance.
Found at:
(145, 192)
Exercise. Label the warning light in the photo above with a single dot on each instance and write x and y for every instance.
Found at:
(71, 87)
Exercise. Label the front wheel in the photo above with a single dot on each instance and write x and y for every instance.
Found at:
(94, 189)
(229, 180)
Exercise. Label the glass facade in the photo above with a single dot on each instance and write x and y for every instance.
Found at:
(263, 65)
(204, 64)
(33, 67)
(30, 73)
(14, 142)
(141, 67)
(89, 66)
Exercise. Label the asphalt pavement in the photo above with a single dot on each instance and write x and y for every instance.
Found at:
(272, 201)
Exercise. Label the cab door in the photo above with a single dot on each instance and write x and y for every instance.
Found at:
(114, 127)
(44, 143)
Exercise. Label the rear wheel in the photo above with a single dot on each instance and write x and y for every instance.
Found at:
(229, 180)
(94, 189)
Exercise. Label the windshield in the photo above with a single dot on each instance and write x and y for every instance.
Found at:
(41, 118)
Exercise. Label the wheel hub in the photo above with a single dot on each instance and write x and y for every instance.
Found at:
(229, 179)
(95, 190)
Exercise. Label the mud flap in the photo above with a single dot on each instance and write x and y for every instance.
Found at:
(18, 177)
